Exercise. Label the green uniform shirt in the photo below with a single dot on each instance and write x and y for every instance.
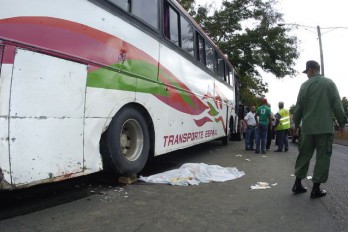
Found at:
(264, 113)
(317, 100)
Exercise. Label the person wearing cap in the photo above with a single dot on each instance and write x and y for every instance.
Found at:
(317, 99)
(263, 121)
(282, 126)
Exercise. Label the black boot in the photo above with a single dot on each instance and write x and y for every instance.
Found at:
(317, 192)
(298, 188)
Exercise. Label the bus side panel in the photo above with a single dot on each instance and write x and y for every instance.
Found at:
(46, 118)
(5, 82)
(190, 97)
(224, 99)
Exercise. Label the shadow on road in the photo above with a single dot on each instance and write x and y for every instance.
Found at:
(24, 201)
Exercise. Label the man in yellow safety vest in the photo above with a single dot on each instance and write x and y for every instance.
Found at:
(282, 126)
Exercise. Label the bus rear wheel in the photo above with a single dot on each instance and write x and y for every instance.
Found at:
(126, 143)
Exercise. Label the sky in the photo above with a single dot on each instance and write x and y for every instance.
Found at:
(311, 13)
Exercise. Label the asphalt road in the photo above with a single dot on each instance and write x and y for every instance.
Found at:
(93, 204)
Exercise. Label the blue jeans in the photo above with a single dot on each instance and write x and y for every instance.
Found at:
(282, 139)
(261, 137)
(250, 138)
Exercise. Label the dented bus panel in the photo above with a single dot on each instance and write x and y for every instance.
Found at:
(42, 118)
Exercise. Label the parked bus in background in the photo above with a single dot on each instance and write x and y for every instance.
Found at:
(91, 85)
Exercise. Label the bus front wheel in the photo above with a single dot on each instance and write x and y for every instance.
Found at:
(126, 142)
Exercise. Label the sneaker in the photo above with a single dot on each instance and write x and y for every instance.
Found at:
(278, 150)
(286, 150)
(263, 152)
(299, 189)
(257, 152)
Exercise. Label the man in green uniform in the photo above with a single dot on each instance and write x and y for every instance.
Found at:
(317, 100)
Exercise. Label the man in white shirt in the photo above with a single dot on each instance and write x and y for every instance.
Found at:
(249, 121)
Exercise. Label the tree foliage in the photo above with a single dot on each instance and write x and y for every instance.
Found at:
(247, 32)
(345, 105)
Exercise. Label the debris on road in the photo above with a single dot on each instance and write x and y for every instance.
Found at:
(128, 179)
(260, 185)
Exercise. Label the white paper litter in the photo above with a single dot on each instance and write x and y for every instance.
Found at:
(193, 174)
(260, 185)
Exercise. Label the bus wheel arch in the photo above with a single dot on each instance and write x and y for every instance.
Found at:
(128, 142)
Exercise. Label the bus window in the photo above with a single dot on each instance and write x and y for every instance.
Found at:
(147, 10)
(231, 77)
(173, 26)
(200, 49)
(227, 72)
(124, 4)
(210, 57)
(221, 68)
(186, 36)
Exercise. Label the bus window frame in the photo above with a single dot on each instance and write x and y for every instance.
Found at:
(200, 50)
(111, 6)
(192, 35)
(170, 23)
(221, 68)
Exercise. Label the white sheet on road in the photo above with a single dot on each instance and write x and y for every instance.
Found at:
(193, 174)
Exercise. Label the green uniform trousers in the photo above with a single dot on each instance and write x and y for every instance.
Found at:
(322, 143)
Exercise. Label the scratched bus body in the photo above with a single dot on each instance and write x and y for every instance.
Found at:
(99, 85)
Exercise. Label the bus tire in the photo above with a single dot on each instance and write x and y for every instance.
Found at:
(126, 142)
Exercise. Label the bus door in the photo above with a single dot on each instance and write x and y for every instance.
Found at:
(46, 117)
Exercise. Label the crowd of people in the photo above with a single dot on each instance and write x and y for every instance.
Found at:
(317, 100)
(262, 126)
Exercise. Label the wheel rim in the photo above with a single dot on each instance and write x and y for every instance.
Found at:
(131, 140)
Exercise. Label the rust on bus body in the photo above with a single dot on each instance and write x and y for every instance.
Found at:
(4, 184)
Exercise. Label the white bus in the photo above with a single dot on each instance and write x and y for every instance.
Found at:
(91, 85)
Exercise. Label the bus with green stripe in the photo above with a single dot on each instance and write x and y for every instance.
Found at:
(92, 85)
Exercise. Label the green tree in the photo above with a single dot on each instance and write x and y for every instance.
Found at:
(247, 32)
(345, 105)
